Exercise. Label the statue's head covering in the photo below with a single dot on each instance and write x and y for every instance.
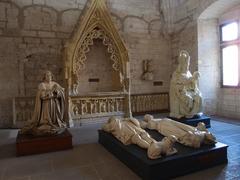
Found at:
(183, 61)
(45, 73)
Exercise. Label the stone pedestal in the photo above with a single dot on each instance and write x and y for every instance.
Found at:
(28, 144)
(194, 120)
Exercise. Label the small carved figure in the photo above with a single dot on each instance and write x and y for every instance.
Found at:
(84, 107)
(185, 134)
(128, 131)
(162, 148)
(147, 70)
(75, 89)
(103, 106)
(48, 116)
(93, 106)
(185, 97)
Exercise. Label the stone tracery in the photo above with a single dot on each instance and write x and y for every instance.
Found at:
(80, 57)
(95, 24)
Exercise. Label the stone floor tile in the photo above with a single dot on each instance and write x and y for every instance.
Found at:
(235, 178)
(114, 169)
(68, 161)
(233, 170)
(79, 173)
(215, 173)
(89, 160)
(26, 167)
(18, 178)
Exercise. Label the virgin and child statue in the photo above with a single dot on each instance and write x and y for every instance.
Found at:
(185, 96)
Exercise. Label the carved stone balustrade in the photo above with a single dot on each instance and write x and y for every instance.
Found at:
(93, 108)
(22, 110)
(82, 107)
(149, 103)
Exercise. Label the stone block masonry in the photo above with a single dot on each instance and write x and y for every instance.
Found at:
(33, 34)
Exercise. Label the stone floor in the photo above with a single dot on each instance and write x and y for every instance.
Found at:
(89, 160)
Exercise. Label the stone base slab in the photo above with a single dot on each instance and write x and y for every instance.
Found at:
(195, 120)
(28, 144)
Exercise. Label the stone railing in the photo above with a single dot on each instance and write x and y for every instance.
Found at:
(149, 103)
(22, 110)
(95, 107)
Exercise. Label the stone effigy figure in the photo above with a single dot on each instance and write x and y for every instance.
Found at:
(48, 116)
(128, 131)
(185, 97)
(185, 134)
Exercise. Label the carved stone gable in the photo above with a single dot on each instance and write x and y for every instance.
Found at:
(96, 23)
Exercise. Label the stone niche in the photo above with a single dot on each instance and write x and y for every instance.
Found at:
(98, 74)
(96, 68)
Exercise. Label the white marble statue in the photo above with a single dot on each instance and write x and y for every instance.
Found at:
(48, 116)
(185, 97)
(185, 134)
(128, 131)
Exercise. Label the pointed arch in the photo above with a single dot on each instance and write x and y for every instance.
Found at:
(95, 23)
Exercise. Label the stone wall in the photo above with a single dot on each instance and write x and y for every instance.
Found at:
(209, 63)
(33, 34)
(219, 101)
(195, 28)
(184, 35)
(229, 99)
(98, 75)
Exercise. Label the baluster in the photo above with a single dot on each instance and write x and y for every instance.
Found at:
(156, 102)
(112, 106)
(93, 106)
(148, 103)
(143, 103)
(151, 99)
(75, 110)
(103, 108)
(99, 105)
(88, 102)
(117, 104)
(162, 101)
(83, 107)
(138, 103)
(121, 104)
(108, 103)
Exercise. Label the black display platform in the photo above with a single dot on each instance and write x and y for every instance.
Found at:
(195, 120)
(187, 159)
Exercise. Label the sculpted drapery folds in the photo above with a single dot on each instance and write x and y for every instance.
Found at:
(129, 131)
(185, 97)
(185, 134)
(48, 116)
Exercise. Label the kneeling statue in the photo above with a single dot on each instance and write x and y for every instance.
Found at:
(128, 131)
(48, 116)
(185, 134)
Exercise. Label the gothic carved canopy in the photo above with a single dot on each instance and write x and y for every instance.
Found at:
(95, 23)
